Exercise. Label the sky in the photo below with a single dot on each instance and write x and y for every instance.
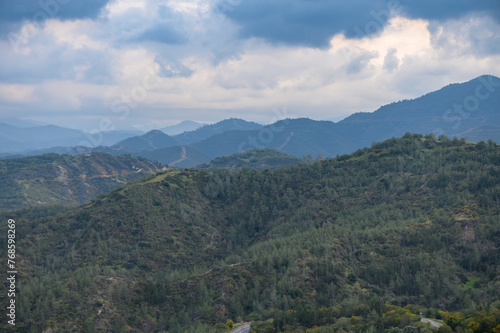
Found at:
(145, 64)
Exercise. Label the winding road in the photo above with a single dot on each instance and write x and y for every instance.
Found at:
(432, 322)
(183, 157)
(242, 329)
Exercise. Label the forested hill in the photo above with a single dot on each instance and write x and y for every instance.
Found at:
(260, 159)
(345, 244)
(71, 180)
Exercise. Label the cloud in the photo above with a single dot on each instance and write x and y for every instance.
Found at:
(314, 23)
(301, 22)
(442, 10)
(60, 51)
(391, 61)
(163, 32)
(172, 68)
(64, 9)
(477, 35)
(154, 22)
(361, 61)
(13, 13)
(319, 58)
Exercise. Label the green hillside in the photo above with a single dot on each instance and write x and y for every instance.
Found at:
(60, 179)
(260, 159)
(344, 244)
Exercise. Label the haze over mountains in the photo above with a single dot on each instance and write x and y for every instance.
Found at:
(470, 109)
(30, 140)
(184, 126)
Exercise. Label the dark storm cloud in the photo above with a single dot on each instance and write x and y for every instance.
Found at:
(314, 22)
(440, 10)
(19, 10)
(13, 13)
(301, 22)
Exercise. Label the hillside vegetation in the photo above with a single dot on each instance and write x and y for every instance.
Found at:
(360, 243)
(53, 179)
(259, 159)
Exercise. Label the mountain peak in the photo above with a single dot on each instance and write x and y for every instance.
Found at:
(154, 132)
(183, 126)
(154, 139)
(231, 124)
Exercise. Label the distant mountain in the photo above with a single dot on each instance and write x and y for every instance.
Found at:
(154, 139)
(23, 140)
(297, 137)
(470, 110)
(178, 156)
(15, 139)
(460, 109)
(62, 179)
(185, 126)
(21, 123)
(260, 159)
(73, 151)
(217, 128)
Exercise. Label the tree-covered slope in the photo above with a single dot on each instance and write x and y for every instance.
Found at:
(409, 221)
(61, 179)
(260, 159)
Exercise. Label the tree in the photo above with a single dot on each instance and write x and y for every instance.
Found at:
(229, 324)
(445, 329)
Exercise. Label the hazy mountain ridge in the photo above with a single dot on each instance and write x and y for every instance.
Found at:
(435, 112)
(431, 113)
(441, 112)
(184, 126)
(206, 131)
(154, 139)
(16, 140)
(452, 110)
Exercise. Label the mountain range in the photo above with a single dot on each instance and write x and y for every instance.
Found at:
(33, 140)
(469, 109)
(454, 110)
